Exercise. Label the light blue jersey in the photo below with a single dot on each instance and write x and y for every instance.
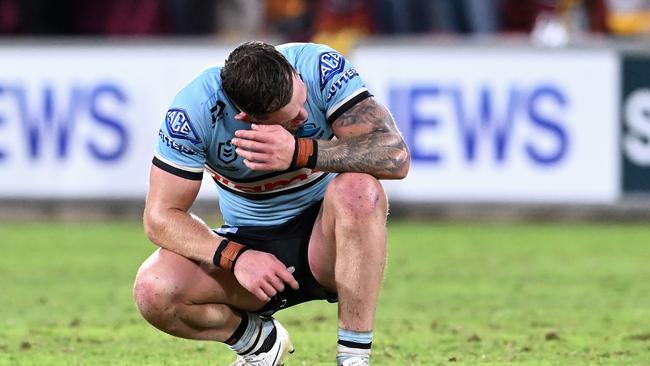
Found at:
(195, 137)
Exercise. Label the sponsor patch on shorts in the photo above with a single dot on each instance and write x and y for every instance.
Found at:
(180, 127)
(226, 230)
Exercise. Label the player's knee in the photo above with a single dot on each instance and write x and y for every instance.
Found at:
(155, 300)
(357, 196)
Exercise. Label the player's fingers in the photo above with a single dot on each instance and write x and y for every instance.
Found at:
(287, 277)
(261, 136)
(255, 166)
(268, 289)
(259, 127)
(252, 155)
(277, 283)
(242, 116)
(260, 294)
(248, 155)
(250, 145)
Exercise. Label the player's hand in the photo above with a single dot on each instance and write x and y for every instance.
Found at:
(265, 147)
(262, 274)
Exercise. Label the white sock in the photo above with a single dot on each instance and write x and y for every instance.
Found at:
(256, 332)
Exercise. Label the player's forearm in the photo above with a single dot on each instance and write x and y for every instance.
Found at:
(182, 233)
(383, 155)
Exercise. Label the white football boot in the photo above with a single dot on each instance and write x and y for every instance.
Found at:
(276, 356)
(356, 361)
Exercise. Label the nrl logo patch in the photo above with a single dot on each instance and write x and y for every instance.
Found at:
(179, 126)
(226, 152)
(331, 63)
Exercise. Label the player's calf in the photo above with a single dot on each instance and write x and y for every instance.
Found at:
(359, 225)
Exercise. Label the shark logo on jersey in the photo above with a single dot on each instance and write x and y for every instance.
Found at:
(226, 152)
(308, 129)
(331, 64)
(179, 126)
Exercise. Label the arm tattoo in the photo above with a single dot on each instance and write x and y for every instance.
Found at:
(368, 142)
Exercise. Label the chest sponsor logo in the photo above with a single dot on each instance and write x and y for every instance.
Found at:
(180, 127)
(226, 152)
(331, 64)
(290, 180)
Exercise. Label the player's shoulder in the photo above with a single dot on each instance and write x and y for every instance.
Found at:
(200, 95)
(303, 48)
(316, 63)
(197, 106)
(299, 52)
(202, 87)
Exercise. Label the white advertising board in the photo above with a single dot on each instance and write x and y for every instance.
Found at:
(517, 125)
(501, 125)
(81, 121)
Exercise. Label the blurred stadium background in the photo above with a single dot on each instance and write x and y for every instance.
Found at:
(536, 107)
(533, 111)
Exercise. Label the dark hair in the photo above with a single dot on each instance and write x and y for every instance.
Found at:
(257, 78)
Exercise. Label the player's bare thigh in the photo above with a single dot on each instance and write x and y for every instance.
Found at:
(168, 277)
(322, 249)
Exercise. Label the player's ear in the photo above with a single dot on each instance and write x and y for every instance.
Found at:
(244, 117)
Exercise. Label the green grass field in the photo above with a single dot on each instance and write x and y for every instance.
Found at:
(454, 294)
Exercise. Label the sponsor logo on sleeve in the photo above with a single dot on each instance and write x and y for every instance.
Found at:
(338, 84)
(180, 127)
(174, 145)
(331, 64)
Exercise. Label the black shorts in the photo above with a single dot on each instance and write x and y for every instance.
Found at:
(288, 242)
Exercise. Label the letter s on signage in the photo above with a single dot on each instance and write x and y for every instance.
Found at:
(553, 126)
(107, 121)
(636, 141)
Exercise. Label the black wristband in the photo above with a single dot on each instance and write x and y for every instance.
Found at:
(294, 158)
(232, 267)
(216, 259)
(227, 254)
(311, 162)
(305, 153)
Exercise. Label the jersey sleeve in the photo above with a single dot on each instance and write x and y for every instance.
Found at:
(183, 136)
(339, 84)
